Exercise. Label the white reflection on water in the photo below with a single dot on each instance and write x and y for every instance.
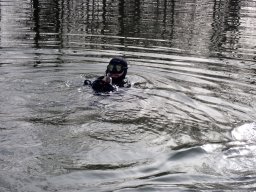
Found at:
(246, 133)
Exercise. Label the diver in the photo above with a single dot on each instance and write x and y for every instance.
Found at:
(115, 76)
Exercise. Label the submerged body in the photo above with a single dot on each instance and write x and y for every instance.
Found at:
(115, 77)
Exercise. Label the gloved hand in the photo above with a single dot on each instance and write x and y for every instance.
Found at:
(100, 85)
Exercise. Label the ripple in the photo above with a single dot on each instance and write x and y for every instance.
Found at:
(192, 68)
(99, 167)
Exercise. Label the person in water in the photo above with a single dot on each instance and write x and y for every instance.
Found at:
(115, 76)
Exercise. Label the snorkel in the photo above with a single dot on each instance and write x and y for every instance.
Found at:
(107, 79)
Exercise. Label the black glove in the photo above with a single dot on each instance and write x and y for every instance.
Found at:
(102, 86)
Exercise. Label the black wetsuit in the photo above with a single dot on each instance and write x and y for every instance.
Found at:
(119, 82)
(99, 85)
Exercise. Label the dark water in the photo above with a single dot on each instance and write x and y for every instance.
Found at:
(186, 124)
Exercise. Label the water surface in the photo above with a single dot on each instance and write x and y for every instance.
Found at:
(186, 124)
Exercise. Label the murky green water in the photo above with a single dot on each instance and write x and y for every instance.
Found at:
(186, 124)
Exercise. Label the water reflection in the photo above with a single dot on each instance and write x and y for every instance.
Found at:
(212, 28)
(226, 26)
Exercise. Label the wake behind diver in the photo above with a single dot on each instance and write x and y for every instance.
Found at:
(115, 76)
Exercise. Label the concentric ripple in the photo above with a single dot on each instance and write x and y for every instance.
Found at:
(186, 124)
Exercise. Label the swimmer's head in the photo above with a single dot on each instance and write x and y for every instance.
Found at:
(117, 68)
